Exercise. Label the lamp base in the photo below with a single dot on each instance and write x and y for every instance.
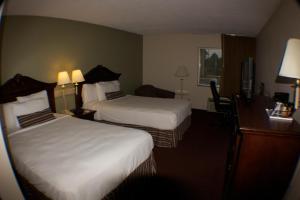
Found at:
(296, 100)
(67, 112)
(64, 98)
(181, 88)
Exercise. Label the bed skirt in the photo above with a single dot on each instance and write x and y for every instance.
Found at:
(146, 169)
(161, 138)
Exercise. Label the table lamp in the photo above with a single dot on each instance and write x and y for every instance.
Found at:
(77, 77)
(63, 79)
(181, 73)
(290, 66)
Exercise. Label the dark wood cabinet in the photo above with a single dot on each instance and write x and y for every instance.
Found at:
(235, 50)
(264, 153)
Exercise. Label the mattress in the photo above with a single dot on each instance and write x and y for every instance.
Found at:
(159, 113)
(69, 158)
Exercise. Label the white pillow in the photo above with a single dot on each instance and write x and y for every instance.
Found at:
(89, 93)
(100, 92)
(42, 94)
(110, 86)
(29, 107)
(11, 122)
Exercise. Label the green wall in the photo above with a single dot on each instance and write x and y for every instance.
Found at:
(40, 47)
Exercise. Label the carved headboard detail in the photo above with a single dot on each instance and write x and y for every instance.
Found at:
(21, 85)
(97, 74)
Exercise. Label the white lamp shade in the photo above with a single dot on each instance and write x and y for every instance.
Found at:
(181, 72)
(63, 78)
(77, 76)
(290, 66)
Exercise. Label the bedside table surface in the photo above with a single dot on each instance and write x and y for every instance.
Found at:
(84, 114)
(82, 111)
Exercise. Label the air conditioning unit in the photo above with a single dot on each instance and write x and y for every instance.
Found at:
(211, 105)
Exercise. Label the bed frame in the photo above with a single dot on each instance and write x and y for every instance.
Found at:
(141, 175)
(161, 138)
(21, 85)
(97, 74)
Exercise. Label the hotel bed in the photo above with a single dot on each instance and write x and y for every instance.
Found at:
(69, 158)
(165, 119)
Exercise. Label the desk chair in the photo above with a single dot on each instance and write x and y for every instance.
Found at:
(222, 105)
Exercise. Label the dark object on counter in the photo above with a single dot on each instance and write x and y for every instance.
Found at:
(282, 97)
(247, 78)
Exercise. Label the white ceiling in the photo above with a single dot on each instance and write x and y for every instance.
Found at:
(244, 17)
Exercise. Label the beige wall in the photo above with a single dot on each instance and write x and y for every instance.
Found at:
(271, 41)
(40, 47)
(162, 54)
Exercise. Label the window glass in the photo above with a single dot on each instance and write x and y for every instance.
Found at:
(210, 66)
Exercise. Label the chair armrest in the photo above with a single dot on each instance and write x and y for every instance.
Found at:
(225, 99)
(225, 103)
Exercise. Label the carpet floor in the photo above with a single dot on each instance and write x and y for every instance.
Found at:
(196, 168)
(193, 170)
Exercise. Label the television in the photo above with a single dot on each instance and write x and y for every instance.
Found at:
(247, 78)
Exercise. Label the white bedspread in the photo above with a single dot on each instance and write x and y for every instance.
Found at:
(75, 159)
(158, 113)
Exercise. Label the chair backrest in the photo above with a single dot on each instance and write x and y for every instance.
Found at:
(215, 94)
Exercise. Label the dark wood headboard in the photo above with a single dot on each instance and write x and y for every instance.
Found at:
(97, 74)
(21, 85)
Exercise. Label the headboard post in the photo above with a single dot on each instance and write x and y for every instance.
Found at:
(21, 85)
(78, 98)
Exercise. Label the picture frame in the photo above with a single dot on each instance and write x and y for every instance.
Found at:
(210, 66)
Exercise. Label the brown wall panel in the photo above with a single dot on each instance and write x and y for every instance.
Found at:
(235, 50)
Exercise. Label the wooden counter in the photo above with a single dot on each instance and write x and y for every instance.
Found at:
(266, 152)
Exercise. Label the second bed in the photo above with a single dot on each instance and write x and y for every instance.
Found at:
(165, 119)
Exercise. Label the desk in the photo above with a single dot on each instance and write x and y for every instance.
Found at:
(265, 152)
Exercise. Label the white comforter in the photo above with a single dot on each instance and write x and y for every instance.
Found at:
(158, 113)
(75, 159)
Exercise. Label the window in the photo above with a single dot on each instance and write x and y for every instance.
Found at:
(210, 66)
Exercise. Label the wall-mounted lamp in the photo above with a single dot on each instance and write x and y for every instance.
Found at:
(77, 77)
(63, 79)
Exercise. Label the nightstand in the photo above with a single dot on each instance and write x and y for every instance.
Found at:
(84, 114)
